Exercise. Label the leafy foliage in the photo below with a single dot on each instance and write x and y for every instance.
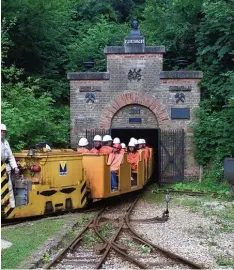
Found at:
(30, 119)
(92, 43)
(45, 40)
(214, 132)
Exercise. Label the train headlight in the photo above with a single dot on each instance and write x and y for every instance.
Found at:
(35, 168)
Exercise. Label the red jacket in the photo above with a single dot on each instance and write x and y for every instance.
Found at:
(146, 153)
(114, 160)
(83, 150)
(106, 150)
(95, 151)
(133, 159)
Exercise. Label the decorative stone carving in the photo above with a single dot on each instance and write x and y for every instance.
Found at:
(90, 97)
(180, 97)
(134, 74)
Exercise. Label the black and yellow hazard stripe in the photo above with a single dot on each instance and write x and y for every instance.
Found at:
(4, 186)
(83, 195)
(5, 195)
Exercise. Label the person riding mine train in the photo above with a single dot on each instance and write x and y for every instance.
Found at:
(113, 150)
(82, 146)
(54, 180)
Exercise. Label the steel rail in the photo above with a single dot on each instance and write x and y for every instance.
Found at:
(111, 244)
(188, 192)
(72, 244)
(159, 249)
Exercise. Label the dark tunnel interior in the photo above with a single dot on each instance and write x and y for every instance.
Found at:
(152, 140)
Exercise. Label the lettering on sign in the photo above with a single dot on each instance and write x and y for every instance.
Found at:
(180, 88)
(134, 41)
(135, 110)
(135, 120)
(90, 88)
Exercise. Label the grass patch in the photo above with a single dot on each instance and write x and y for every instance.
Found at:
(82, 221)
(90, 239)
(151, 196)
(142, 248)
(129, 242)
(226, 213)
(25, 240)
(225, 261)
(145, 249)
(106, 230)
(206, 185)
(193, 204)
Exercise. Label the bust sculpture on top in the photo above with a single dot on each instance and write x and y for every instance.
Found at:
(135, 31)
(135, 41)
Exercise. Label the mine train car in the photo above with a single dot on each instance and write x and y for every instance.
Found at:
(63, 180)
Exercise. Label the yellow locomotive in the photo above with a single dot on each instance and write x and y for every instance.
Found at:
(62, 180)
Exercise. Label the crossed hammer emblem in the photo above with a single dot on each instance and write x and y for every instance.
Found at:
(90, 97)
(180, 97)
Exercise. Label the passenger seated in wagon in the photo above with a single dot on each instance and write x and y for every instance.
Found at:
(124, 148)
(107, 147)
(82, 146)
(97, 144)
(114, 160)
(142, 147)
(133, 159)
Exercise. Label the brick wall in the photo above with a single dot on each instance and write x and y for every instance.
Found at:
(116, 94)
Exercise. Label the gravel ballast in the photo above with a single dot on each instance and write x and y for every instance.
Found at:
(186, 233)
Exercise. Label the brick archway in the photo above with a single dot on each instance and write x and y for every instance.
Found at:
(128, 98)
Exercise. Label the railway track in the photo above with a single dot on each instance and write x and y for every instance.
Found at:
(110, 248)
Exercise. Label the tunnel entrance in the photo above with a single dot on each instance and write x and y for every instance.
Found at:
(151, 135)
(168, 148)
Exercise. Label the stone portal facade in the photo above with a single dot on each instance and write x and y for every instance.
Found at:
(135, 92)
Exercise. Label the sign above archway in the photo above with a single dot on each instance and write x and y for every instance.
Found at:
(154, 108)
(134, 116)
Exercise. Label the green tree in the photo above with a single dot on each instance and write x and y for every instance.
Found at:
(214, 131)
(92, 42)
(29, 118)
(173, 23)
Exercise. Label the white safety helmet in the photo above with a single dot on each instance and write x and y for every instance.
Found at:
(107, 138)
(3, 127)
(123, 145)
(116, 140)
(97, 138)
(134, 140)
(48, 147)
(140, 141)
(83, 142)
(132, 143)
(143, 141)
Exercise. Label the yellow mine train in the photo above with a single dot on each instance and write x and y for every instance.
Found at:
(63, 180)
